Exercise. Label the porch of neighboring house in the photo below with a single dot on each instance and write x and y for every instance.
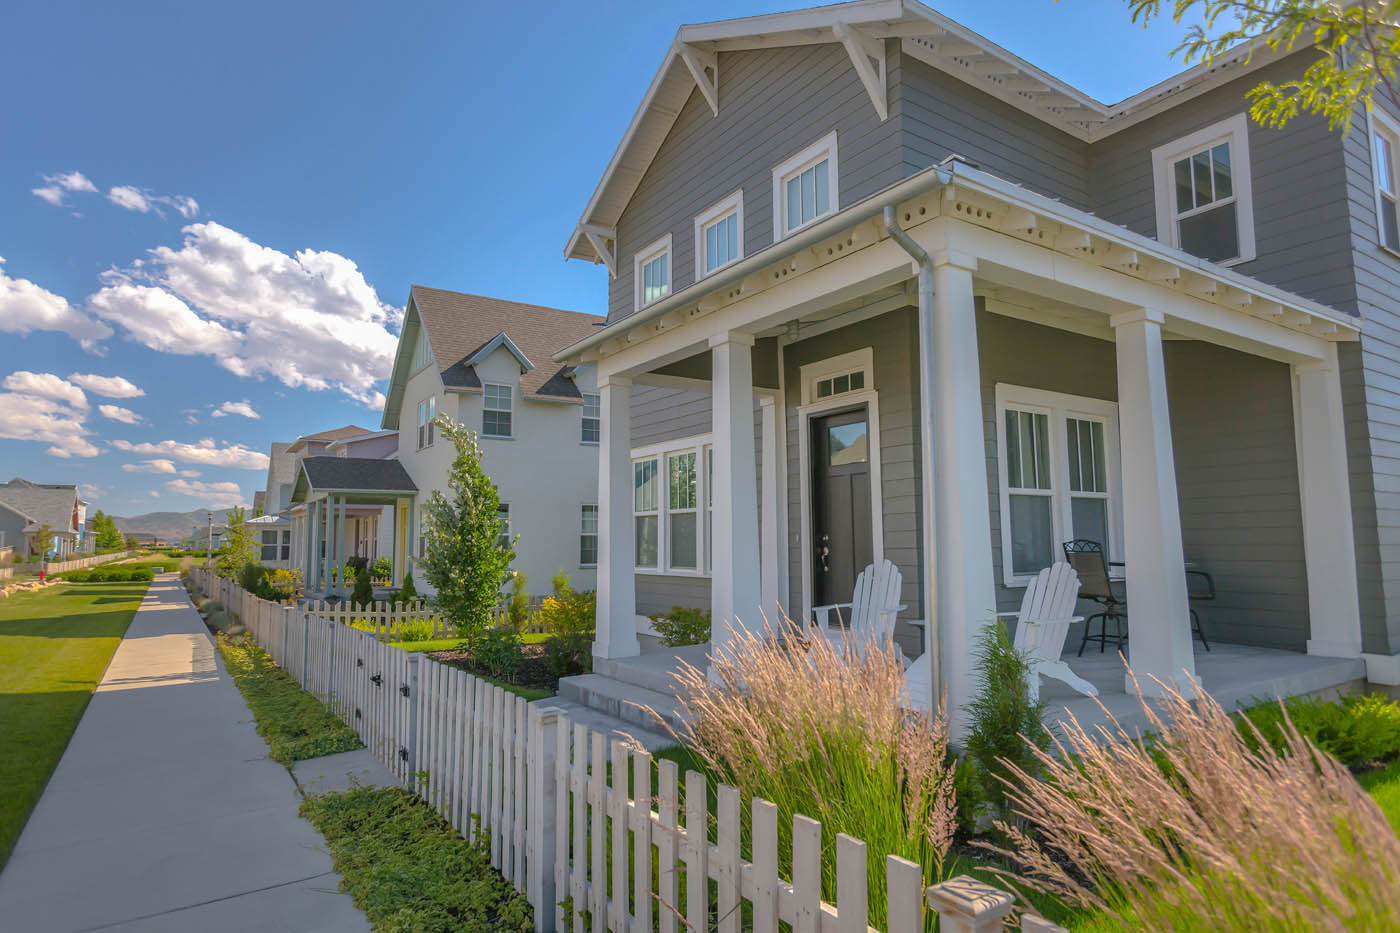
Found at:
(346, 507)
(1048, 377)
(273, 535)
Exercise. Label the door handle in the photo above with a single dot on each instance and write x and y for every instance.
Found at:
(825, 552)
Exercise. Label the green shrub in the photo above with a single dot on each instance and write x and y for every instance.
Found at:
(1359, 730)
(498, 650)
(967, 787)
(285, 585)
(108, 575)
(568, 617)
(409, 592)
(382, 569)
(414, 630)
(363, 594)
(682, 626)
(252, 578)
(1000, 715)
(518, 606)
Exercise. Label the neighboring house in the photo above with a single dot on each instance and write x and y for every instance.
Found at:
(879, 288)
(206, 538)
(487, 363)
(25, 507)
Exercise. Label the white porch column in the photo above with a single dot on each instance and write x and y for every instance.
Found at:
(340, 550)
(959, 573)
(769, 570)
(1334, 610)
(313, 548)
(617, 589)
(735, 593)
(1159, 621)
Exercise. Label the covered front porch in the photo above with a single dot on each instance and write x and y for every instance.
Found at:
(960, 376)
(341, 507)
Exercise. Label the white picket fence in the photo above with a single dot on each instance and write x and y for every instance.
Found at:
(553, 801)
(386, 620)
(78, 563)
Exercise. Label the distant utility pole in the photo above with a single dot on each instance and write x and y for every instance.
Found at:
(209, 542)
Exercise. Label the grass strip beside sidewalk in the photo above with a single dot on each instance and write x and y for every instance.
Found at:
(294, 723)
(55, 645)
(408, 869)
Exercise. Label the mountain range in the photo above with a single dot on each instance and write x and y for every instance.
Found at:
(172, 526)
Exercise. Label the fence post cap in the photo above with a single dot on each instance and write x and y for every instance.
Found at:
(967, 898)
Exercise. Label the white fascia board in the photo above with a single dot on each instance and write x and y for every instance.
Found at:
(494, 344)
(814, 18)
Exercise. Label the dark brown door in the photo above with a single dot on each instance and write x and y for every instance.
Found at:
(841, 526)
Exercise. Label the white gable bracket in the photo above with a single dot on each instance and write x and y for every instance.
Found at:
(868, 57)
(697, 60)
(599, 238)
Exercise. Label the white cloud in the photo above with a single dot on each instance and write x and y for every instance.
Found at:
(204, 452)
(107, 386)
(117, 413)
(309, 320)
(218, 495)
(243, 408)
(91, 491)
(190, 473)
(134, 199)
(42, 407)
(150, 466)
(55, 186)
(26, 307)
(45, 385)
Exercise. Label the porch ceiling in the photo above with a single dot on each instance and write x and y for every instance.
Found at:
(1069, 260)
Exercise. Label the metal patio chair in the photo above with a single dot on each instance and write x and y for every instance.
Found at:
(1200, 588)
(1088, 560)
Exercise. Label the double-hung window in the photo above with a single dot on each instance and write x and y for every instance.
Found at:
(1059, 477)
(805, 188)
(719, 235)
(672, 506)
(1385, 143)
(496, 409)
(1203, 191)
(588, 535)
(427, 411)
(503, 525)
(592, 419)
(652, 272)
(269, 547)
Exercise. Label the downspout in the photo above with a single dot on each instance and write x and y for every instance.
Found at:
(931, 629)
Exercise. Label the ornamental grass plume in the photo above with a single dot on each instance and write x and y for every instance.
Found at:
(1197, 831)
(825, 732)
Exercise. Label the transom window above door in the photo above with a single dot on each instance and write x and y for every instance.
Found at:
(1204, 197)
(838, 375)
(805, 187)
(1060, 476)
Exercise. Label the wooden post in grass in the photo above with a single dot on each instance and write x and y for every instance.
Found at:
(966, 905)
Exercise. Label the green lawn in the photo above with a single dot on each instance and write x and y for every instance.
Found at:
(1384, 786)
(54, 648)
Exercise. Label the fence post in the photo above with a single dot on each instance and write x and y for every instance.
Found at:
(412, 730)
(966, 905)
(540, 818)
(305, 646)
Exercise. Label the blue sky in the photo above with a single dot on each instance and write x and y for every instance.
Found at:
(258, 185)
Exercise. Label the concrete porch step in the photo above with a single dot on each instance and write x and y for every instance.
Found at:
(653, 670)
(623, 700)
(615, 729)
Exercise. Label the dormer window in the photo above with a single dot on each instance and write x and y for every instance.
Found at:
(653, 272)
(1204, 198)
(804, 187)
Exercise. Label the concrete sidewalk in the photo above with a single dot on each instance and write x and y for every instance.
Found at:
(165, 812)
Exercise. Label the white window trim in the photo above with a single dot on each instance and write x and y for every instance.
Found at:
(581, 533)
(805, 413)
(1382, 123)
(510, 519)
(822, 148)
(735, 204)
(1234, 130)
(583, 416)
(427, 428)
(644, 256)
(684, 445)
(862, 360)
(511, 411)
(1058, 406)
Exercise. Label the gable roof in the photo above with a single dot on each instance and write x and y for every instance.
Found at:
(350, 474)
(862, 26)
(464, 329)
(41, 503)
(349, 430)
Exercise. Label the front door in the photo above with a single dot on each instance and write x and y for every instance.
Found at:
(841, 523)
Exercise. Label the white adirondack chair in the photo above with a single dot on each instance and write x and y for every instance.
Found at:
(1042, 624)
(870, 614)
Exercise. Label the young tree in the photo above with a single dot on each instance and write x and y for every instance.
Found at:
(465, 559)
(108, 537)
(237, 549)
(1358, 47)
(43, 540)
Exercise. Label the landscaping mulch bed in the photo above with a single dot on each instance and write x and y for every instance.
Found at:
(533, 675)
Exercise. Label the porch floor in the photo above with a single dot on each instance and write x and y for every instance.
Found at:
(1235, 675)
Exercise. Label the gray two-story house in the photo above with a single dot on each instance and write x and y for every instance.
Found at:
(879, 288)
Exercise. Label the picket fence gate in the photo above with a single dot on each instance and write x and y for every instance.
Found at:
(385, 620)
(551, 799)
